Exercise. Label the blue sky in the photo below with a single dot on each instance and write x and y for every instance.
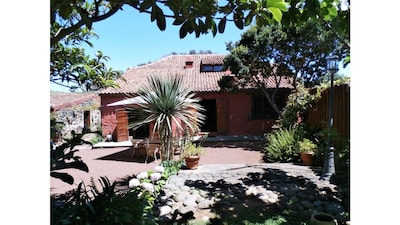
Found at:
(129, 38)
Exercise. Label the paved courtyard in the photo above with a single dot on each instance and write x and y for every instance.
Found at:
(115, 162)
(230, 172)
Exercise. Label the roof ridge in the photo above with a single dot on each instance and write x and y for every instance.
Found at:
(174, 55)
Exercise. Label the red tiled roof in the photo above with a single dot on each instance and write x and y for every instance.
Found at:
(212, 60)
(173, 65)
(62, 100)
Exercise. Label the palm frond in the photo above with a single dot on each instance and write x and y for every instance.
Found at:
(164, 102)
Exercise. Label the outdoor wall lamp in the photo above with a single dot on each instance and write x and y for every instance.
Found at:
(332, 65)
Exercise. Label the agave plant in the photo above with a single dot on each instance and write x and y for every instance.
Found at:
(164, 102)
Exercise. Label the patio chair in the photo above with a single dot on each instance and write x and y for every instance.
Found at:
(152, 149)
(138, 148)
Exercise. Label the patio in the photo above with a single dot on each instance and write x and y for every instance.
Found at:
(114, 161)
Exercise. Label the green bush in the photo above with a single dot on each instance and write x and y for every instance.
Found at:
(94, 206)
(135, 205)
(341, 144)
(172, 167)
(282, 145)
(307, 146)
(97, 139)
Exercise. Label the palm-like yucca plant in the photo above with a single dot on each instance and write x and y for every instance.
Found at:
(166, 102)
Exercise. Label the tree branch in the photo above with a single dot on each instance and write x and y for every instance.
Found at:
(334, 32)
(63, 32)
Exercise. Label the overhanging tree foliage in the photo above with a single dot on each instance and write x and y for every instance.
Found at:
(277, 52)
(71, 22)
(69, 65)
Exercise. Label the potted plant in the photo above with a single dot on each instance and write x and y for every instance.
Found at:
(320, 218)
(307, 151)
(191, 154)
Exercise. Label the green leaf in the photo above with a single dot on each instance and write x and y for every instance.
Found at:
(276, 13)
(248, 19)
(160, 19)
(209, 21)
(189, 25)
(153, 13)
(332, 11)
(346, 61)
(178, 21)
(221, 25)
(146, 5)
(202, 26)
(63, 176)
(182, 31)
(280, 4)
(214, 28)
(237, 18)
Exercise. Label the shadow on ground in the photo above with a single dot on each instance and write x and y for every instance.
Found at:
(297, 200)
(125, 156)
(245, 145)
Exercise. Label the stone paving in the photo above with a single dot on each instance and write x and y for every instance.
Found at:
(284, 185)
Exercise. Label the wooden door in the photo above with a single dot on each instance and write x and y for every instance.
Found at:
(86, 119)
(222, 116)
(122, 125)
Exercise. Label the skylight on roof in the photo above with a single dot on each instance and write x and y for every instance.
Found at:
(211, 68)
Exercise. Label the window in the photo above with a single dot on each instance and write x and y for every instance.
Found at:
(218, 68)
(211, 68)
(206, 68)
(261, 109)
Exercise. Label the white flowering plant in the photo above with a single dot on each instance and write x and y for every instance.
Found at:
(148, 184)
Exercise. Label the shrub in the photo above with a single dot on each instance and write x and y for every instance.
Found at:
(281, 145)
(94, 206)
(307, 146)
(341, 144)
(97, 138)
(298, 103)
(171, 167)
(107, 206)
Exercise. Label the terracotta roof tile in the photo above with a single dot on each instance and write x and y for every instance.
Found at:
(213, 60)
(136, 77)
(61, 100)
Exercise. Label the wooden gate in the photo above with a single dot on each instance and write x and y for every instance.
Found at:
(122, 125)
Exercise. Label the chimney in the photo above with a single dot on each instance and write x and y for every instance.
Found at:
(188, 63)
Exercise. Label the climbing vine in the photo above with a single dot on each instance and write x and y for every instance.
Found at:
(302, 99)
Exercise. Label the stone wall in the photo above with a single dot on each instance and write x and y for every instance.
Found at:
(72, 118)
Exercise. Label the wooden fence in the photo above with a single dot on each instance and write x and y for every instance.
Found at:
(318, 115)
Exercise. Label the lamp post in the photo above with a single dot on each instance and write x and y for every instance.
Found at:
(332, 62)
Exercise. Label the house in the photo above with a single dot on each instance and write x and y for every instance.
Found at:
(243, 112)
(75, 111)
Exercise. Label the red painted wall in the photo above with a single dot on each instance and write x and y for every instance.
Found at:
(239, 114)
(108, 114)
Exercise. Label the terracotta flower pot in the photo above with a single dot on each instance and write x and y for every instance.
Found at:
(307, 159)
(192, 162)
(320, 218)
